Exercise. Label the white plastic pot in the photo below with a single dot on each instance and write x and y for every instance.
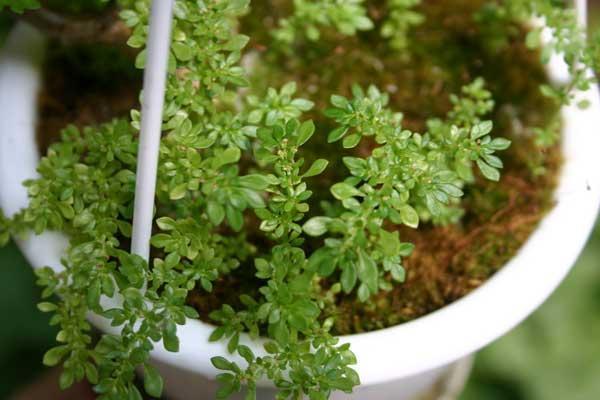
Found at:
(394, 363)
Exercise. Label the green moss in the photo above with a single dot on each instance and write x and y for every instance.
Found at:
(453, 46)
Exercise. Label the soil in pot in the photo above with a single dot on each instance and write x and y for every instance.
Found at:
(453, 46)
(84, 85)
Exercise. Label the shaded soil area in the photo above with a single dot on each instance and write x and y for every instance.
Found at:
(84, 85)
(454, 45)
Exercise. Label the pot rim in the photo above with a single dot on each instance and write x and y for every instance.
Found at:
(427, 343)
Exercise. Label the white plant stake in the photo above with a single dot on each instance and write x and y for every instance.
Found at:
(159, 39)
(582, 14)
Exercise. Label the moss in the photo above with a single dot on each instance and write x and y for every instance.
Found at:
(449, 262)
(447, 51)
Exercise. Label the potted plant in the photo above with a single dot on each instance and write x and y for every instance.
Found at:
(309, 237)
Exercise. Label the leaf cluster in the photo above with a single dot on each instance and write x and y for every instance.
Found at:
(408, 177)
(568, 39)
(401, 18)
(309, 17)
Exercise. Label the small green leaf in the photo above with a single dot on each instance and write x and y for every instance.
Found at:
(170, 340)
(584, 104)
(337, 134)
(409, 216)
(255, 181)
(316, 168)
(221, 363)
(83, 219)
(363, 292)
(289, 89)
(348, 277)
(91, 373)
(339, 101)
(351, 141)
(389, 242)
(216, 212)
(178, 192)
(355, 165)
(499, 144)
(481, 129)
(302, 104)
(367, 270)
(140, 60)
(342, 191)
(66, 379)
(533, 39)
(235, 218)
(166, 223)
(153, 382)
(316, 226)
(322, 261)
(229, 156)
(450, 189)
(233, 342)
(46, 307)
(489, 172)
(55, 355)
(237, 42)
(246, 353)
(182, 51)
(305, 132)
(217, 334)
(363, 23)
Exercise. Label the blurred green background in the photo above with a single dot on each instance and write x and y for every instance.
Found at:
(553, 355)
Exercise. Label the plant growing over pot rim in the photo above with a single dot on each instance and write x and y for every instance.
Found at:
(359, 246)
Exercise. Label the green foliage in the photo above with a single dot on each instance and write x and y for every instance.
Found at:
(409, 177)
(232, 161)
(287, 205)
(315, 367)
(303, 359)
(545, 351)
(346, 16)
(568, 40)
(400, 19)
